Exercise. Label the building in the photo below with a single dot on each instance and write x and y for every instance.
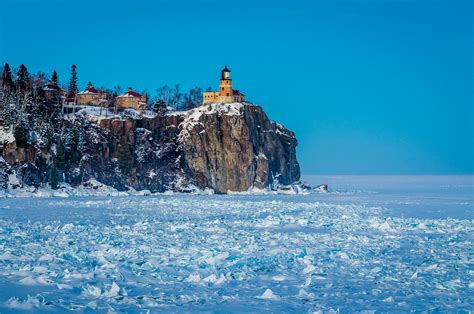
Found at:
(226, 93)
(92, 96)
(131, 100)
(51, 91)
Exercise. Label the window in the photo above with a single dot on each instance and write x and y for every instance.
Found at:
(227, 94)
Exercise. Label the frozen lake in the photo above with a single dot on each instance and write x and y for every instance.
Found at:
(372, 243)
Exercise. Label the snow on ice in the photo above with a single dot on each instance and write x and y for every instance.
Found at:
(303, 253)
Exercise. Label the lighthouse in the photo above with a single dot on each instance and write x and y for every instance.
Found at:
(226, 93)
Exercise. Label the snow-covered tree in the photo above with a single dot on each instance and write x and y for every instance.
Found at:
(159, 106)
(4, 172)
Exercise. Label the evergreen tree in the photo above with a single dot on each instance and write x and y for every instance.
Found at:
(159, 106)
(23, 79)
(72, 89)
(55, 80)
(40, 109)
(54, 178)
(20, 134)
(59, 158)
(7, 78)
(55, 101)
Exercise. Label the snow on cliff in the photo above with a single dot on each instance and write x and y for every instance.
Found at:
(6, 135)
(192, 117)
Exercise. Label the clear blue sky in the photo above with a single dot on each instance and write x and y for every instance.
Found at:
(369, 86)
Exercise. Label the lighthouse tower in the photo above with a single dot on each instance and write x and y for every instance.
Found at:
(225, 86)
(226, 93)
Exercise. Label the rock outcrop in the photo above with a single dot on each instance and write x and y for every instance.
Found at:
(225, 147)
(236, 147)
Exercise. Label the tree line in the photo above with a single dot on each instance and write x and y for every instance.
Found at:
(27, 85)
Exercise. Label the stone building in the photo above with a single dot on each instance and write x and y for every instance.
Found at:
(92, 96)
(131, 100)
(226, 93)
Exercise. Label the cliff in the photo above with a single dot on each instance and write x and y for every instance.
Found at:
(225, 147)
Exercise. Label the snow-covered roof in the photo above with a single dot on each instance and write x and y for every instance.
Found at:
(131, 93)
(92, 90)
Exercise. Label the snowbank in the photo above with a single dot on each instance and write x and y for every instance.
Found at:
(6, 135)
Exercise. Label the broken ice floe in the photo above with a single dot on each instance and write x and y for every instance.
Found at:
(228, 253)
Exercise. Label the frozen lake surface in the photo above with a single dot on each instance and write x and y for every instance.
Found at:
(373, 243)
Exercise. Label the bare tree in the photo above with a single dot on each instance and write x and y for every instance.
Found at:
(176, 97)
(164, 94)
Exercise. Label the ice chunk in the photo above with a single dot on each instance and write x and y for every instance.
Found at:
(40, 280)
(211, 278)
(62, 286)
(113, 292)
(309, 269)
(220, 281)
(194, 278)
(279, 278)
(305, 295)
(431, 267)
(92, 305)
(68, 227)
(269, 295)
(92, 291)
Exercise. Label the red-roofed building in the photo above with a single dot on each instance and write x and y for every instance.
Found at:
(131, 100)
(92, 96)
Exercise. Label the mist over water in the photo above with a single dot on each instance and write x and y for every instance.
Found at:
(410, 196)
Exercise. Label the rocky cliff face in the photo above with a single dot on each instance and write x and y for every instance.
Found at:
(231, 147)
(236, 147)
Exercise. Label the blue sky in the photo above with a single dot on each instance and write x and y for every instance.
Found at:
(369, 87)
